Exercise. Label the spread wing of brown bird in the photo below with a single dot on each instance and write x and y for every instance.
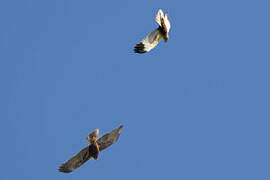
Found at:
(92, 150)
(155, 36)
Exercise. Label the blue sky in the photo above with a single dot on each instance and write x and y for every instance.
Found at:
(196, 107)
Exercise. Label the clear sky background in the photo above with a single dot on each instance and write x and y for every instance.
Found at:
(196, 107)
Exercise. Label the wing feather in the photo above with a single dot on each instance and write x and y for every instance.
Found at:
(159, 16)
(109, 138)
(167, 22)
(149, 42)
(76, 161)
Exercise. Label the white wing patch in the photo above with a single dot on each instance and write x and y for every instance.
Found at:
(167, 22)
(149, 42)
(159, 16)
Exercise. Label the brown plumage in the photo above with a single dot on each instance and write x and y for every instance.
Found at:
(92, 150)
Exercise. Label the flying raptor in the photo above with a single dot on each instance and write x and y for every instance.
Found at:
(154, 37)
(96, 145)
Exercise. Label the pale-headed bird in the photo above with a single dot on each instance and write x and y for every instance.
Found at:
(154, 37)
(91, 151)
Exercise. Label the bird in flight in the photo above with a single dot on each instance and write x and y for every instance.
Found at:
(154, 37)
(96, 145)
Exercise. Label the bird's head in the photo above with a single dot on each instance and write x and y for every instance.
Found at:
(93, 136)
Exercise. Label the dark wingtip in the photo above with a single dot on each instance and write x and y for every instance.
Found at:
(120, 128)
(139, 48)
(64, 169)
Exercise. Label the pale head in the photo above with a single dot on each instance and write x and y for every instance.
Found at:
(92, 137)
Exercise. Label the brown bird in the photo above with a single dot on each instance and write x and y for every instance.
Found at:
(154, 37)
(96, 145)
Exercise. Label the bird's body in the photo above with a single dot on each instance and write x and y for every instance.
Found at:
(94, 148)
(155, 36)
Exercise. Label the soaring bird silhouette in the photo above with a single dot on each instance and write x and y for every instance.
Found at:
(96, 145)
(154, 37)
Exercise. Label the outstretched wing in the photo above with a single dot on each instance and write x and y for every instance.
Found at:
(159, 16)
(86, 153)
(76, 161)
(109, 138)
(149, 42)
(167, 22)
